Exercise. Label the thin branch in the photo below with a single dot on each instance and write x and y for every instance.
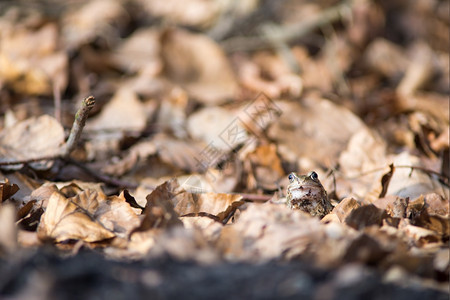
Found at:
(282, 48)
(444, 178)
(57, 101)
(255, 197)
(75, 133)
(286, 34)
(78, 124)
(101, 177)
(29, 160)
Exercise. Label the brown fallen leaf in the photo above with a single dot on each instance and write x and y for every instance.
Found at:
(29, 215)
(267, 231)
(313, 123)
(113, 213)
(25, 183)
(365, 249)
(7, 190)
(182, 154)
(364, 153)
(211, 80)
(215, 204)
(117, 215)
(210, 228)
(385, 181)
(64, 220)
(137, 153)
(94, 18)
(269, 73)
(436, 205)
(32, 138)
(386, 58)
(345, 207)
(184, 244)
(419, 236)
(413, 183)
(365, 216)
(197, 13)
(33, 70)
(419, 70)
(159, 211)
(139, 53)
(223, 133)
(123, 112)
(265, 166)
(170, 201)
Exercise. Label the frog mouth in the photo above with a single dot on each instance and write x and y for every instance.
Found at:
(304, 190)
(306, 186)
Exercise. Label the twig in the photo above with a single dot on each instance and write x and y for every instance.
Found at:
(78, 125)
(255, 197)
(29, 160)
(445, 179)
(57, 101)
(245, 197)
(75, 133)
(101, 177)
(282, 48)
(287, 33)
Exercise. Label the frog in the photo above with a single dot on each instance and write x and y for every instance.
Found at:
(306, 193)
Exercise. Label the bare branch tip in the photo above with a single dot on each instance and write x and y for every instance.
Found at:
(89, 101)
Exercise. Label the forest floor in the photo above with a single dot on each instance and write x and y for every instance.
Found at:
(145, 148)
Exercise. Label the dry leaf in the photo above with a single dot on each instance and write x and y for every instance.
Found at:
(138, 152)
(181, 154)
(116, 215)
(172, 113)
(386, 58)
(223, 133)
(139, 53)
(254, 75)
(198, 65)
(365, 216)
(437, 205)
(29, 139)
(419, 71)
(365, 249)
(267, 231)
(92, 19)
(159, 211)
(123, 112)
(266, 166)
(313, 123)
(418, 235)
(64, 220)
(216, 205)
(345, 207)
(191, 13)
(365, 152)
(7, 190)
(209, 228)
(33, 70)
(405, 183)
(26, 186)
(184, 245)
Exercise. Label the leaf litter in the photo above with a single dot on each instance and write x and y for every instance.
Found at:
(196, 124)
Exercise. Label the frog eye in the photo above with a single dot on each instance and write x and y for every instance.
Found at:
(313, 175)
(291, 177)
